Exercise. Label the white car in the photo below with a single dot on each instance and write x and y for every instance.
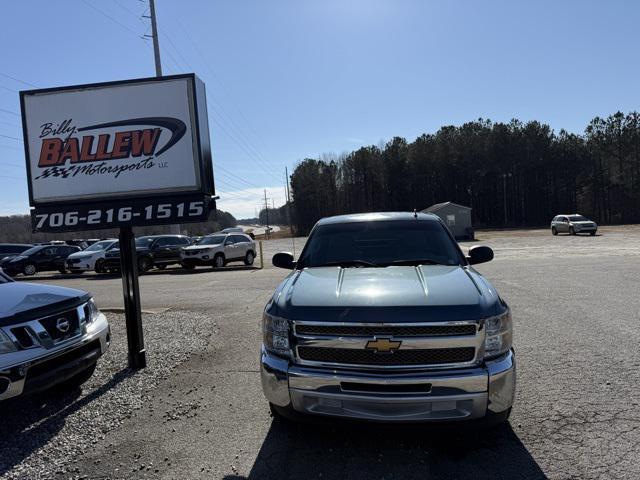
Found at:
(91, 258)
(219, 249)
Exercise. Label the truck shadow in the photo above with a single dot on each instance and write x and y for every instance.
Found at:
(29, 423)
(366, 452)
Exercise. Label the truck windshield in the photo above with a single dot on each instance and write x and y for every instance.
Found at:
(380, 244)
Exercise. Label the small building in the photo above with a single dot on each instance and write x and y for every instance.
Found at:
(456, 217)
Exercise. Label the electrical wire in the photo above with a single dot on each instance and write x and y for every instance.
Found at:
(18, 80)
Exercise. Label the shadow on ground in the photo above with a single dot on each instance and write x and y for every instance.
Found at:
(367, 452)
(28, 423)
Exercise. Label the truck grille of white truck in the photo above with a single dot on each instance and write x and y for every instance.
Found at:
(388, 345)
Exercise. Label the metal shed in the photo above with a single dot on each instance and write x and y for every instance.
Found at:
(456, 217)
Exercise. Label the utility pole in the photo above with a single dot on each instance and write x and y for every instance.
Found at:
(266, 206)
(154, 34)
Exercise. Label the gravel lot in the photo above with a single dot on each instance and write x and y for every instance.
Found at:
(43, 436)
(576, 313)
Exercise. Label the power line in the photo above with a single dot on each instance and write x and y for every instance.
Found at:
(219, 167)
(230, 119)
(9, 89)
(18, 80)
(9, 111)
(110, 18)
(9, 136)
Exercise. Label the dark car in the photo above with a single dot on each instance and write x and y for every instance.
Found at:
(41, 258)
(48, 336)
(152, 251)
(9, 250)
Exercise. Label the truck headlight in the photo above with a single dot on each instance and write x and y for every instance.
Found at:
(275, 332)
(6, 345)
(91, 311)
(498, 335)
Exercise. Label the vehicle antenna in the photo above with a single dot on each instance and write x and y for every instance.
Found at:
(415, 213)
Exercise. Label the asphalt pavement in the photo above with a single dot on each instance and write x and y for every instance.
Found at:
(576, 313)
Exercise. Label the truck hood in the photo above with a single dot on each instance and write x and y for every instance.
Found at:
(390, 294)
(21, 301)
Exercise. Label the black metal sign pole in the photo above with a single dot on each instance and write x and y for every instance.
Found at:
(131, 291)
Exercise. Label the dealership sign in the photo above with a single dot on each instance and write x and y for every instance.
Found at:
(121, 153)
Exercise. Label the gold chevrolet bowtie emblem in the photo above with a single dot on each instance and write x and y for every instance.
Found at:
(383, 345)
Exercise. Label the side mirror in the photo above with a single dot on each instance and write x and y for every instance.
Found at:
(479, 254)
(283, 260)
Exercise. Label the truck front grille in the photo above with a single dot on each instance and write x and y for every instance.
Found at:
(399, 357)
(397, 331)
(454, 344)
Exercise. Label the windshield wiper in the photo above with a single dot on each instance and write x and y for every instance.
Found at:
(348, 263)
(416, 261)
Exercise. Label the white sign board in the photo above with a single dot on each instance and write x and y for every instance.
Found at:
(120, 140)
(134, 152)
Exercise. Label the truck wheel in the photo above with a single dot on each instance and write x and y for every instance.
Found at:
(554, 231)
(249, 258)
(144, 264)
(218, 261)
(592, 234)
(29, 269)
(79, 378)
(99, 268)
(188, 266)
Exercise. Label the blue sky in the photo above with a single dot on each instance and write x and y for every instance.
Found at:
(290, 79)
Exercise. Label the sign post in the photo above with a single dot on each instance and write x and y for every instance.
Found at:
(131, 292)
(119, 155)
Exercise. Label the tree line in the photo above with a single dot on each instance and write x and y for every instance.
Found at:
(17, 229)
(511, 174)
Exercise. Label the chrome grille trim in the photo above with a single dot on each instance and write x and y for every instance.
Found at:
(411, 342)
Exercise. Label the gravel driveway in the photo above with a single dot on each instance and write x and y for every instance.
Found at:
(43, 436)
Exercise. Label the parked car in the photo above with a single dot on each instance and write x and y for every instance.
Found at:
(9, 250)
(41, 258)
(383, 318)
(573, 224)
(91, 258)
(48, 336)
(152, 251)
(219, 249)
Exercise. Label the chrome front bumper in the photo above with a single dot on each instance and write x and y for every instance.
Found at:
(14, 369)
(445, 395)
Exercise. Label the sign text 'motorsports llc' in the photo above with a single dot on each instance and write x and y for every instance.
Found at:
(63, 147)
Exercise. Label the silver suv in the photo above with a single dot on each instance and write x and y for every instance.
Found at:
(48, 336)
(573, 224)
(383, 318)
(218, 249)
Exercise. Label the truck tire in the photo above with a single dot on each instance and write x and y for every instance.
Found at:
(188, 266)
(249, 258)
(554, 231)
